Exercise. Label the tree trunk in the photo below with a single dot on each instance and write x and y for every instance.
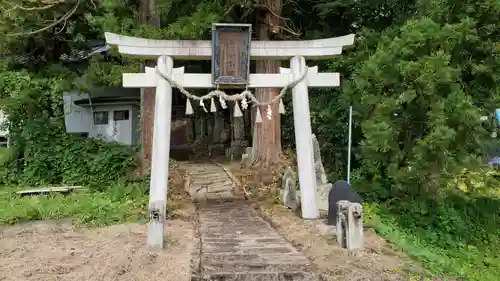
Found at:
(267, 135)
(148, 15)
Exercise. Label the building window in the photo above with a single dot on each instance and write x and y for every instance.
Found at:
(101, 118)
(120, 115)
(82, 135)
(3, 141)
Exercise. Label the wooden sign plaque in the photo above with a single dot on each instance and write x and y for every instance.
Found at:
(231, 53)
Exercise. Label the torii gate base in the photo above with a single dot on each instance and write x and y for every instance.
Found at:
(167, 50)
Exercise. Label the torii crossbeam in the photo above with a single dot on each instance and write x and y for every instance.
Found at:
(149, 79)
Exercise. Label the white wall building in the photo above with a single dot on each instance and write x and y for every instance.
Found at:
(3, 131)
(111, 115)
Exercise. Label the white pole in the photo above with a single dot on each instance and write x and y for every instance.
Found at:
(349, 146)
(303, 139)
(161, 148)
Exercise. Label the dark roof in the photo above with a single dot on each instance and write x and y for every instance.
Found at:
(74, 55)
(99, 100)
(78, 55)
(101, 95)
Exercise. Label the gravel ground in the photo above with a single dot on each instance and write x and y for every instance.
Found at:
(45, 251)
(377, 262)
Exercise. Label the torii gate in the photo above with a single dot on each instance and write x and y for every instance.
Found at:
(168, 50)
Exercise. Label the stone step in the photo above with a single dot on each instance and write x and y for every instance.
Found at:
(207, 181)
(257, 256)
(217, 189)
(261, 276)
(204, 173)
(282, 263)
(270, 255)
(212, 188)
(220, 196)
(204, 169)
(209, 175)
(210, 183)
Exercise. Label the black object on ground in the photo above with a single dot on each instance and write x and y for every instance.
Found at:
(341, 190)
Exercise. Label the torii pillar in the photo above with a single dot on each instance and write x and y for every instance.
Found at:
(167, 50)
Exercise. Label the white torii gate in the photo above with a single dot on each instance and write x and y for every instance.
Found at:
(168, 50)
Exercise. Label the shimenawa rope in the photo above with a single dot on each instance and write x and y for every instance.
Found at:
(223, 97)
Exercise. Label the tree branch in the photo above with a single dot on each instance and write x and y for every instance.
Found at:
(289, 30)
(19, 7)
(275, 29)
(48, 5)
(62, 19)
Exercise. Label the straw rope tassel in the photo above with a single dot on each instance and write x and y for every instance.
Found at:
(282, 107)
(237, 111)
(189, 108)
(212, 105)
(202, 104)
(222, 102)
(269, 112)
(258, 117)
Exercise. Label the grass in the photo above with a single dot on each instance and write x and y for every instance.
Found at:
(116, 204)
(458, 236)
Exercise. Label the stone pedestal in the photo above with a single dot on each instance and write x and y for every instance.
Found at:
(350, 226)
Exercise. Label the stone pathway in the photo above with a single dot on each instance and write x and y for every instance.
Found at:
(234, 242)
(210, 182)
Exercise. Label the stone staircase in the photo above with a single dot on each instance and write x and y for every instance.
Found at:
(234, 243)
(210, 182)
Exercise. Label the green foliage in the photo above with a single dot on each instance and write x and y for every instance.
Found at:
(419, 87)
(61, 158)
(457, 235)
(412, 136)
(42, 153)
(105, 73)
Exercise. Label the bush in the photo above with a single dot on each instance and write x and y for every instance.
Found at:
(459, 235)
(67, 159)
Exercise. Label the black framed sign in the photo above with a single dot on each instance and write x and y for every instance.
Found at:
(231, 53)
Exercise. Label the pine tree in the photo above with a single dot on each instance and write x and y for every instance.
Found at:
(267, 135)
(150, 16)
